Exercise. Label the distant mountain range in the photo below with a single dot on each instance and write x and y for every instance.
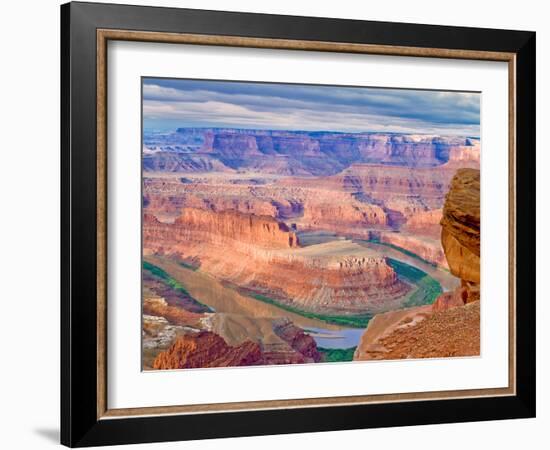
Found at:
(296, 152)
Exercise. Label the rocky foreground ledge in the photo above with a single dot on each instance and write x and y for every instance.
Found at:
(451, 326)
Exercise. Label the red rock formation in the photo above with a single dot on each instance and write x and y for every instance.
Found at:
(425, 223)
(361, 198)
(426, 248)
(349, 216)
(260, 254)
(299, 341)
(205, 349)
(218, 228)
(392, 197)
(460, 236)
(460, 233)
(262, 231)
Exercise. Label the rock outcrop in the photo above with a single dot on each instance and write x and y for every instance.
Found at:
(229, 225)
(460, 233)
(378, 183)
(349, 217)
(206, 349)
(425, 223)
(294, 152)
(301, 342)
(429, 249)
(157, 332)
(230, 228)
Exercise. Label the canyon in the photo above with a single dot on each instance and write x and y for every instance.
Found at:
(258, 245)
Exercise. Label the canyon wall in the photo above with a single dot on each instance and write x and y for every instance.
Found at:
(292, 152)
(460, 236)
(429, 249)
(425, 223)
(229, 225)
(345, 215)
(263, 256)
(360, 199)
(460, 233)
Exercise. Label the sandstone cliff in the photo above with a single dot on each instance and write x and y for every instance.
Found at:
(425, 223)
(429, 249)
(294, 152)
(262, 231)
(349, 217)
(262, 255)
(218, 228)
(461, 224)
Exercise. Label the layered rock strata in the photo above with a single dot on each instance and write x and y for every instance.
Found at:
(294, 152)
(263, 255)
(348, 217)
(425, 223)
(429, 249)
(460, 234)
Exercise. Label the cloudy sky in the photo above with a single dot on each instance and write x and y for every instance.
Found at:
(171, 103)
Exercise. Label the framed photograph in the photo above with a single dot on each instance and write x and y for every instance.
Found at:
(277, 224)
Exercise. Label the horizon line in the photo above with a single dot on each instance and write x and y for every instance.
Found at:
(309, 131)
